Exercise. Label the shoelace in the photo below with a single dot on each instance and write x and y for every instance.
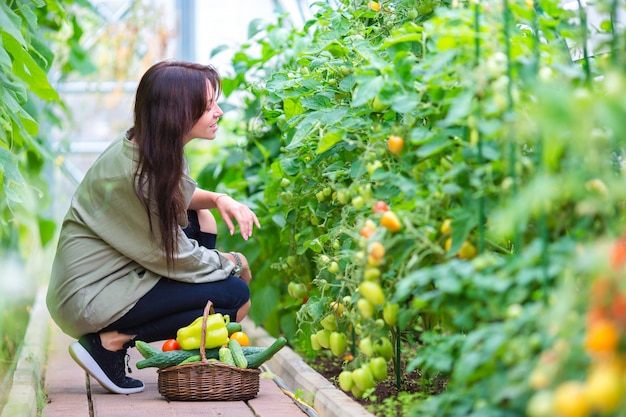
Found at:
(127, 359)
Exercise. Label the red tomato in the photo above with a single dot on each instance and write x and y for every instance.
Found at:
(170, 344)
(380, 207)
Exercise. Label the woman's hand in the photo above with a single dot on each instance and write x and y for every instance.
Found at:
(229, 209)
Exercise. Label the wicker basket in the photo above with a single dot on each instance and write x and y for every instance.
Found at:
(208, 380)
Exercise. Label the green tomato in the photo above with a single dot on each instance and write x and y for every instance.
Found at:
(358, 202)
(323, 260)
(372, 292)
(378, 106)
(345, 380)
(363, 378)
(296, 290)
(371, 273)
(337, 343)
(373, 166)
(343, 196)
(366, 346)
(356, 391)
(333, 268)
(315, 344)
(384, 348)
(329, 322)
(323, 338)
(390, 313)
(284, 183)
(365, 308)
(320, 196)
(378, 366)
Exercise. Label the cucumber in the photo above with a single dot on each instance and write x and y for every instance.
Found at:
(233, 327)
(226, 356)
(257, 359)
(238, 356)
(146, 350)
(194, 358)
(162, 360)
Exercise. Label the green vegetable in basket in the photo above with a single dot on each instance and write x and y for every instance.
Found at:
(226, 356)
(237, 352)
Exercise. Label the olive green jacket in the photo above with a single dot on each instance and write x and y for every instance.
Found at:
(107, 258)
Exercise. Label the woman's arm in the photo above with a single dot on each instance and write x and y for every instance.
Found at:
(228, 208)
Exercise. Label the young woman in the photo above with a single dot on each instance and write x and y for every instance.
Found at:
(136, 255)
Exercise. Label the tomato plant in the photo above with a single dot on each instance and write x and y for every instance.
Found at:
(498, 172)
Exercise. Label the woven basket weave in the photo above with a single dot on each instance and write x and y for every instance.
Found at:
(208, 380)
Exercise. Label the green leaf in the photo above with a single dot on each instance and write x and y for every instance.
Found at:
(47, 228)
(10, 23)
(460, 108)
(433, 146)
(405, 37)
(329, 140)
(266, 298)
(256, 26)
(292, 107)
(27, 69)
(9, 167)
(367, 90)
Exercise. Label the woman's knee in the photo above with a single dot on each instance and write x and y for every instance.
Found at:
(207, 221)
(243, 311)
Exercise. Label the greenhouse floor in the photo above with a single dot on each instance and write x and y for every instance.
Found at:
(288, 387)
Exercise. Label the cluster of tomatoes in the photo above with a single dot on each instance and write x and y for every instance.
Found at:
(603, 391)
(371, 311)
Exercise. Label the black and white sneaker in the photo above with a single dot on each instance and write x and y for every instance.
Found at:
(105, 366)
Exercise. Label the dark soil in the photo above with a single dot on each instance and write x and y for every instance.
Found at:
(386, 392)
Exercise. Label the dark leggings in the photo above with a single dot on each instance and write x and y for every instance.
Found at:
(171, 304)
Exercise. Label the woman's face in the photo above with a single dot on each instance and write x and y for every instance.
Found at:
(206, 126)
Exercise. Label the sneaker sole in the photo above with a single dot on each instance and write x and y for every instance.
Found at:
(84, 359)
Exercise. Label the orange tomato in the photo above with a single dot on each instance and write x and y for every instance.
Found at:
(374, 6)
(241, 337)
(377, 251)
(368, 228)
(391, 221)
(395, 144)
(618, 254)
(170, 344)
(618, 308)
(367, 231)
(602, 337)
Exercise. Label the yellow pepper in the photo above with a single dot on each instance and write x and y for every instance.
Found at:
(216, 333)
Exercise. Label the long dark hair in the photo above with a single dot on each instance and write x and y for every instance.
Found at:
(170, 98)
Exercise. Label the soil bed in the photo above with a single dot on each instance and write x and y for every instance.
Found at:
(386, 400)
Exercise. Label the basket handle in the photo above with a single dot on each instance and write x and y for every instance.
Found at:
(208, 309)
